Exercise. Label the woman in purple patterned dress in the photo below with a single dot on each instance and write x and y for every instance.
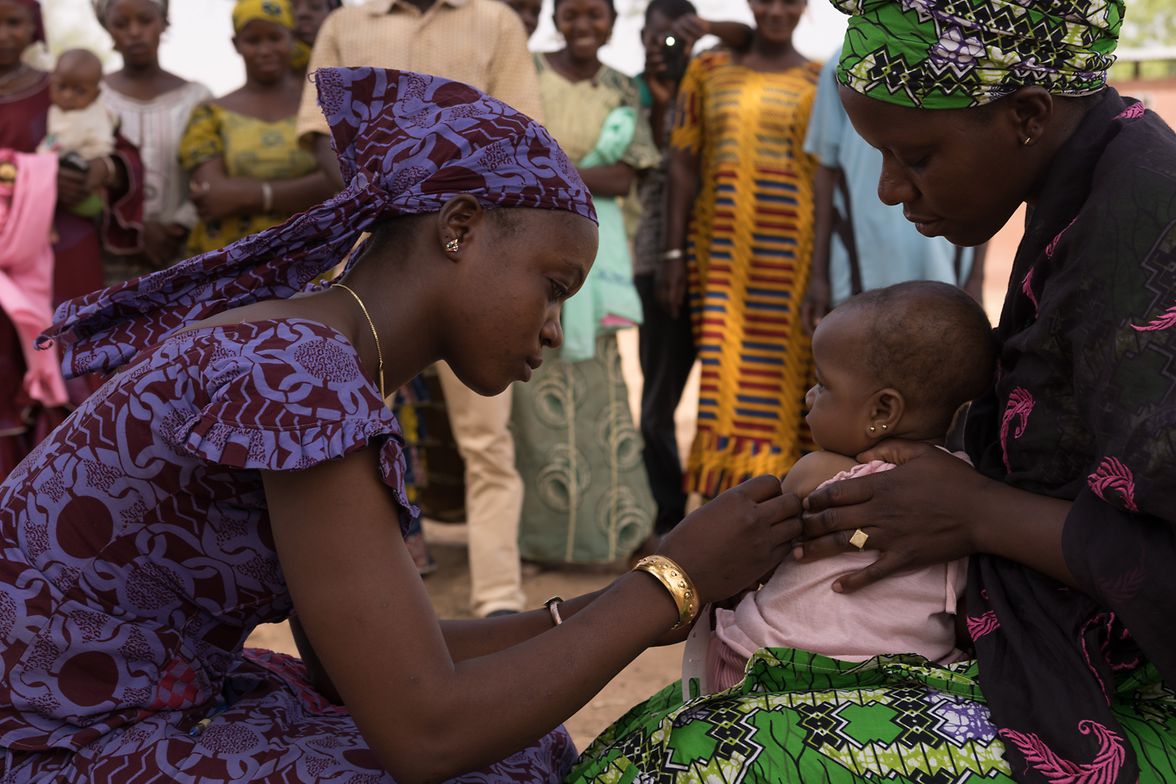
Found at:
(240, 464)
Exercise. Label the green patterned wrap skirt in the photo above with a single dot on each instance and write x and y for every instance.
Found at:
(799, 717)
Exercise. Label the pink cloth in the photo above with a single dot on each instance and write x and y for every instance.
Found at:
(913, 612)
(26, 268)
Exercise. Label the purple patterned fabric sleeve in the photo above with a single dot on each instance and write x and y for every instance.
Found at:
(286, 410)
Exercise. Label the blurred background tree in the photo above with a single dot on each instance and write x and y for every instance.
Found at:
(1149, 23)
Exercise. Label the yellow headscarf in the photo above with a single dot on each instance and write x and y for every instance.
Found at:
(276, 11)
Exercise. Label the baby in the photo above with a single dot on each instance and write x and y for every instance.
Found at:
(895, 362)
(81, 128)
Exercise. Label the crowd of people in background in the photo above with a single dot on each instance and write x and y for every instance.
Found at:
(401, 189)
(734, 206)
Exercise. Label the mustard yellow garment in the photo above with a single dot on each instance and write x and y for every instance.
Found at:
(276, 11)
(250, 148)
(748, 257)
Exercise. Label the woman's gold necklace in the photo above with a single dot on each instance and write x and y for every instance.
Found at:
(375, 337)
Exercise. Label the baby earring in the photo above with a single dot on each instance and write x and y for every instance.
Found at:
(872, 430)
(453, 246)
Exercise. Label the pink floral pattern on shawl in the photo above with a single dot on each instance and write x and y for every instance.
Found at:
(1112, 479)
(1017, 411)
(1103, 769)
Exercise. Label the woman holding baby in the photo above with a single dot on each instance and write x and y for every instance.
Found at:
(978, 106)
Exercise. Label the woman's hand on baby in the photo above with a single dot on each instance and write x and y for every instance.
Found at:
(913, 516)
(729, 543)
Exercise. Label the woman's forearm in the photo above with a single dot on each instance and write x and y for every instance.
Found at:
(735, 35)
(552, 675)
(474, 638)
(296, 194)
(681, 188)
(612, 180)
(1021, 526)
(824, 184)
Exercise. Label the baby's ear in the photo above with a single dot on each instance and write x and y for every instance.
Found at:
(886, 409)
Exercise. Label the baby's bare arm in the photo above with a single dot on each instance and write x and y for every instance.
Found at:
(813, 469)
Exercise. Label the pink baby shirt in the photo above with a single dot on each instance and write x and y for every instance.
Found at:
(911, 612)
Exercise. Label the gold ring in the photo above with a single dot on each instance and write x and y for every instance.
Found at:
(859, 538)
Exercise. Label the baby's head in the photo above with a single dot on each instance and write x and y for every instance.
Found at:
(898, 361)
(75, 81)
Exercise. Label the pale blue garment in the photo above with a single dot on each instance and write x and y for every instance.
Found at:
(609, 289)
(891, 250)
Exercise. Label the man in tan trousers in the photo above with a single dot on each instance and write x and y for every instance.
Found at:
(481, 43)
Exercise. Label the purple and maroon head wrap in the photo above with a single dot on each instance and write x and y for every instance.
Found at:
(38, 22)
(407, 143)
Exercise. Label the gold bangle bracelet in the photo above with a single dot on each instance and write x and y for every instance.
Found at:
(677, 582)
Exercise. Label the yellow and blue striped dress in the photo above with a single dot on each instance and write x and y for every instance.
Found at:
(749, 254)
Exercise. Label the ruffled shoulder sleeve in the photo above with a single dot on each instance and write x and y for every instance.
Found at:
(283, 396)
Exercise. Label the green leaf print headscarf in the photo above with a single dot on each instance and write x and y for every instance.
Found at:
(952, 54)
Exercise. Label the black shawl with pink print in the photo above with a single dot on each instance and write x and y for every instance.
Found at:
(1085, 409)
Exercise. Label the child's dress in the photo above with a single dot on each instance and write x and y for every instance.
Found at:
(913, 612)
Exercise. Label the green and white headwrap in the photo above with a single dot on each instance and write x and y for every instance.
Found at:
(952, 54)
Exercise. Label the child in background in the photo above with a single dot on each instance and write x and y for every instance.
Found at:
(528, 11)
(897, 362)
(80, 128)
